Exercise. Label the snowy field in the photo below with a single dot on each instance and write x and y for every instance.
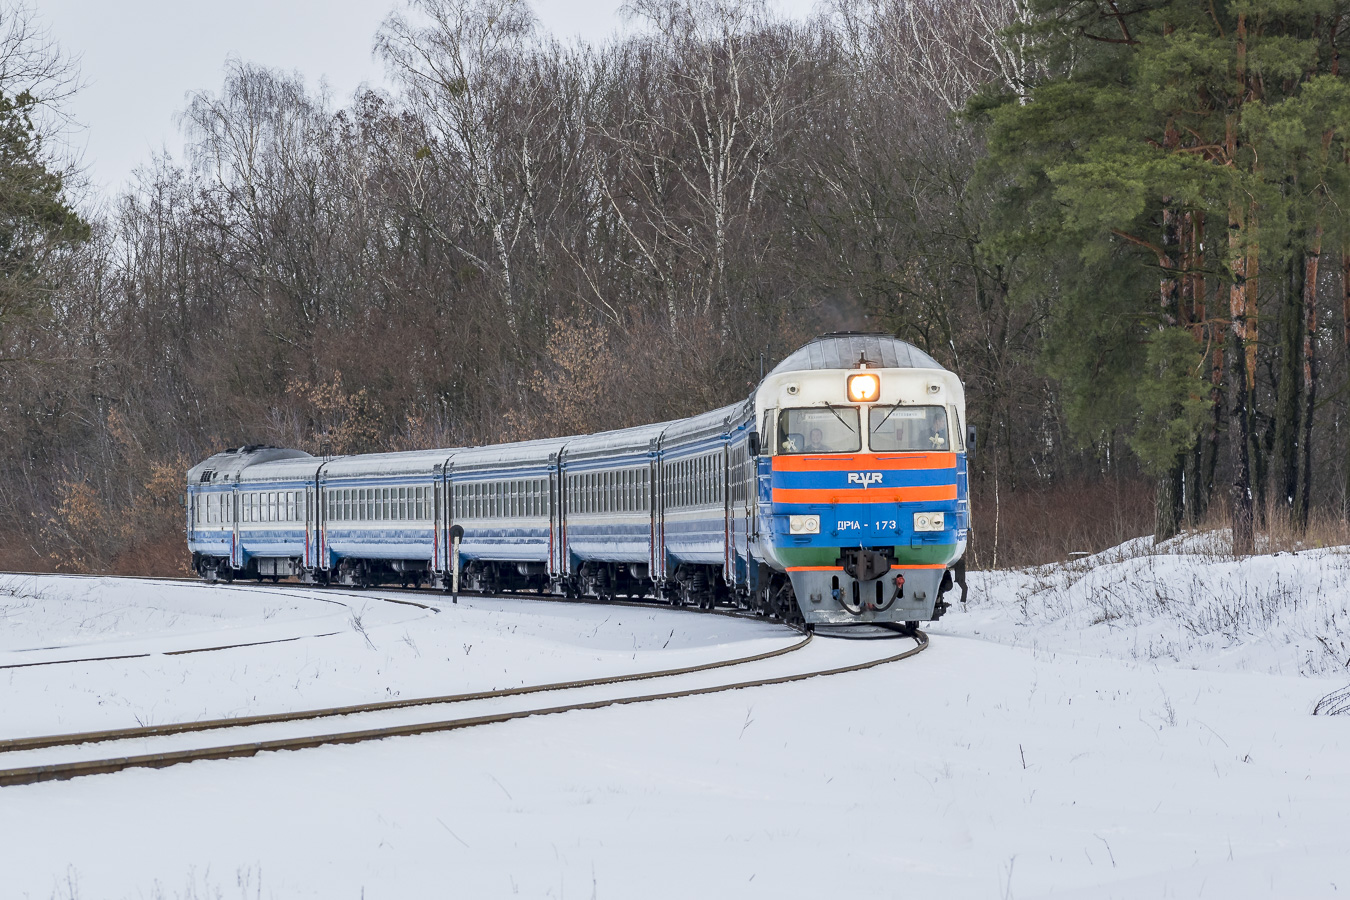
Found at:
(1132, 725)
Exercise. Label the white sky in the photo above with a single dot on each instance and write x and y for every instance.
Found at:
(141, 58)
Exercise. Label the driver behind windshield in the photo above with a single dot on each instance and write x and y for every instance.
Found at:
(819, 430)
(914, 429)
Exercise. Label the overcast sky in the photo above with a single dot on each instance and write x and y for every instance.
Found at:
(141, 58)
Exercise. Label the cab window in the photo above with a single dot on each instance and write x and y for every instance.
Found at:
(821, 429)
(908, 428)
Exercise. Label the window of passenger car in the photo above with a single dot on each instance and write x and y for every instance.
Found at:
(819, 429)
(913, 428)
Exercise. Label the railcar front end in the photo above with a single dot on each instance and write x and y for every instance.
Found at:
(863, 480)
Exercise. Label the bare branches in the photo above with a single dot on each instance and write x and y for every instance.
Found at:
(944, 49)
(721, 71)
(32, 63)
(453, 62)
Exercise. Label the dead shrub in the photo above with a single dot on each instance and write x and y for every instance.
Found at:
(340, 422)
(130, 521)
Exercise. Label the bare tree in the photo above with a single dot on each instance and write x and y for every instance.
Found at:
(720, 69)
(451, 58)
(32, 64)
(940, 48)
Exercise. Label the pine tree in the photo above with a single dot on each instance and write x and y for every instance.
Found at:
(1161, 152)
(37, 223)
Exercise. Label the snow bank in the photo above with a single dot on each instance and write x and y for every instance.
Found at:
(1184, 603)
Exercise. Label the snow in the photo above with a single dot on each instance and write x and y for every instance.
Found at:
(1137, 724)
(362, 649)
(1185, 603)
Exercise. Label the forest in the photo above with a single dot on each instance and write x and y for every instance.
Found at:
(1121, 222)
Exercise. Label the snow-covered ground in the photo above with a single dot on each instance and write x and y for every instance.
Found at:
(1134, 725)
(1186, 603)
(331, 648)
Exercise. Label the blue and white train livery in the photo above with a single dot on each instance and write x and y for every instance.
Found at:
(836, 493)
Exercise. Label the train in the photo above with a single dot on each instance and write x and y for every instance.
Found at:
(835, 494)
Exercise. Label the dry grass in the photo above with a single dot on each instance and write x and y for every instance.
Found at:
(1067, 521)
(18, 555)
(1276, 533)
(1040, 525)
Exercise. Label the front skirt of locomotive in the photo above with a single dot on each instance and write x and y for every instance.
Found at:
(831, 595)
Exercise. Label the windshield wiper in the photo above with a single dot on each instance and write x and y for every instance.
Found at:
(826, 404)
(883, 421)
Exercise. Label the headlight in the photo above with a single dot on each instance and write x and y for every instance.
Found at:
(929, 521)
(864, 388)
(804, 524)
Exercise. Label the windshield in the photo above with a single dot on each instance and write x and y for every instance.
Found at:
(822, 429)
(907, 428)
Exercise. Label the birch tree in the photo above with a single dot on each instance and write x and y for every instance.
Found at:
(452, 59)
(698, 158)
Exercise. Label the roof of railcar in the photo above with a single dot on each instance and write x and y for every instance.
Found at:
(843, 351)
(536, 451)
(410, 462)
(300, 468)
(227, 464)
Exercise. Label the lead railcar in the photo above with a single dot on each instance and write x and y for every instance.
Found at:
(836, 493)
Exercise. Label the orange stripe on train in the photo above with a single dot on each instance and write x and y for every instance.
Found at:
(922, 494)
(854, 461)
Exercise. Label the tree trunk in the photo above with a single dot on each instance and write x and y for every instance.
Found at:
(1288, 394)
(1303, 505)
(1244, 538)
(1201, 459)
(1345, 310)
(1197, 269)
(1251, 277)
(1168, 501)
(1169, 498)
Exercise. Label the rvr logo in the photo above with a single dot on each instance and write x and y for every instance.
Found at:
(864, 478)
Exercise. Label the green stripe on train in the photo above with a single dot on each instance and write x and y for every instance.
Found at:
(927, 555)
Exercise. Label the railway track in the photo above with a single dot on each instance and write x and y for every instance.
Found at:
(254, 742)
(264, 726)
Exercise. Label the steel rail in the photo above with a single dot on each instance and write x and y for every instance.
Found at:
(149, 731)
(65, 771)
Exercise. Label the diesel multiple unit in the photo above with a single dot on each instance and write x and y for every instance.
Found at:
(837, 493)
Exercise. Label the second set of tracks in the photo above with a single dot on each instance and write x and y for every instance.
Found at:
(161, 746)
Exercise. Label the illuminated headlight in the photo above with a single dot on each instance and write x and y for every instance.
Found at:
(864, 388)
(930, 521)
(804, 524)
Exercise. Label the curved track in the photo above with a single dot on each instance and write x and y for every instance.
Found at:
(150, 731)
(312, 593)
(171, 757)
